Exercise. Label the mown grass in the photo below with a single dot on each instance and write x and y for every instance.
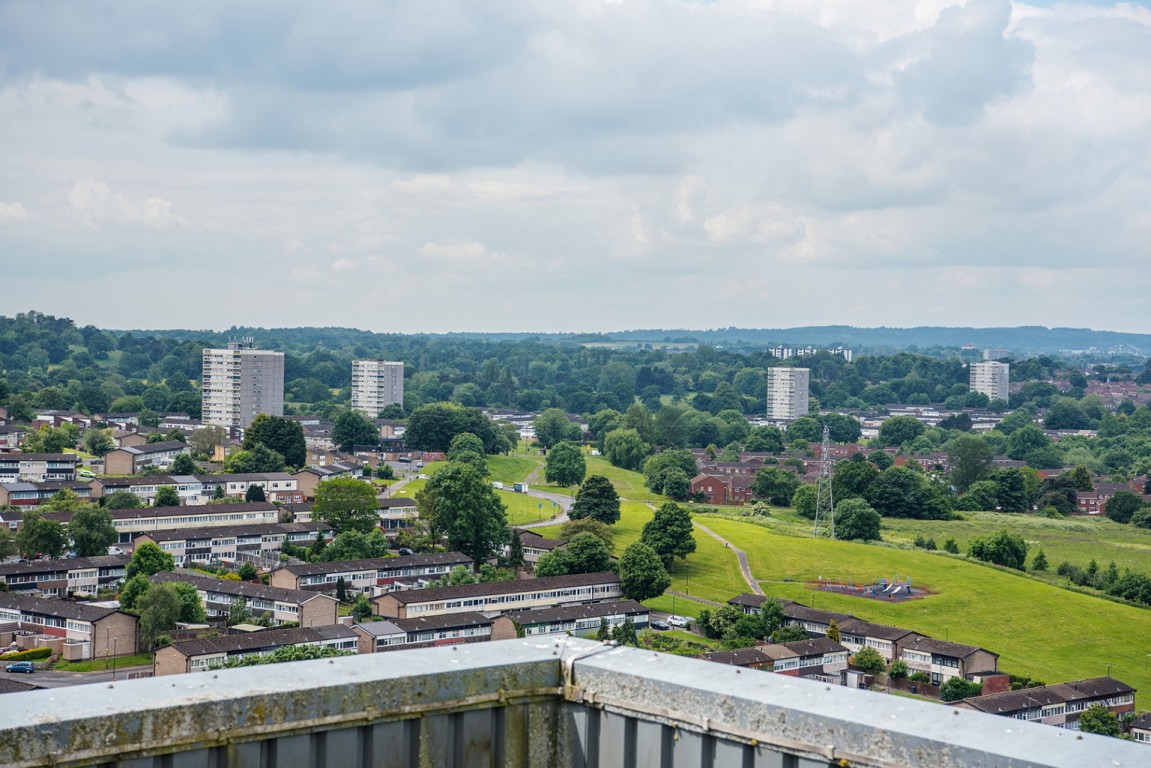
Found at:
(101, 665)
(628, 484)
(1038, 629)
(526, 509)
(511, 469)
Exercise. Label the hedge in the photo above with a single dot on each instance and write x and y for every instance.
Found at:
(33, 654)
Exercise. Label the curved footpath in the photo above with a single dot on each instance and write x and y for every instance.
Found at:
(740, 556)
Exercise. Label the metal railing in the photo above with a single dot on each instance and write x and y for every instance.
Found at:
(543, 702)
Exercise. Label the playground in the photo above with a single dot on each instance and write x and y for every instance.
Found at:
(889, 590)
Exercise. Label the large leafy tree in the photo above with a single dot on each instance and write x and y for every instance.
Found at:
(586, 553)
(458, 503)
(160, 608)
(902, 492)
(1002, 548)
(284, 436)
(970, 459)
(91, 531)
(432, 426)
(167, 496)
(855, 520)
(41, 537)
(1122, 506)
(352, 428)
(853, 477)
(642, 574)
(347, 504)
(148, 559)
(260, 458)
(552, 427)
(669, 532)
(121, 500)
(899, 430)
(774, 485)
(625, 448)
(1098, 719)
(660, 467)
(565, 465)
(597, 499)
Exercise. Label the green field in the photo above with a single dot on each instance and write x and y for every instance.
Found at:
(101, 665)
(1038, 629)
(526, 509)
(511, 469)
(628, 484)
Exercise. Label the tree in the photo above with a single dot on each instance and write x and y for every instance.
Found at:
(604, 631)
(641, 573)
(160, 608)
(624, 633)
(899, 430)
(869, 661)
(1039, 562)
(121, 500)
(205, 439)
(465, 442)
(183, 465)
(384, 471)
(898, 670)
(774, 485)
(1065, 413)
(669, 533)
(97, 441)
(597, 499)
(660, 467)
(362, 608)
(347, 504)
(1098, 719)
(41, 537)
(1011, 493)
(355, 545)
(132, 590)
(515, 549)
(565, 465)
(284, 436)
(1002, 548)
(148, 560)
(853, 477)
(765, 439)
(259, 459)
(573, 528)
(191, 609)
(167, 496)
(1081, 478)
(789, 634)
(902, 492)
(587, 553)
(239, 612)
(255, 493)
(624, 448)
(341, 590)
(804, 500)
(855, 520)
(552, 428)
(833, 631)
(1122, 506)
(458, 503)
(432, 426)
(1024, 440)
(956, 688)
(352, 428)
(970, 459)
(554, 563)
(247, 572)
(91, 531)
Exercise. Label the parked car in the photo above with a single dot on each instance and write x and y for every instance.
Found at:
(407, 551)
(679, 621)
(20, 666)
(662, 626)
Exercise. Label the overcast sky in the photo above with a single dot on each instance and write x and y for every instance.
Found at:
(576, 164)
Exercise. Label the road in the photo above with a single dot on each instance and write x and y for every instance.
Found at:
(54, 679)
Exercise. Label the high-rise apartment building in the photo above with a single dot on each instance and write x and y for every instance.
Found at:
(376, 384)
(241, 381)
(787, 393)
(990, 378)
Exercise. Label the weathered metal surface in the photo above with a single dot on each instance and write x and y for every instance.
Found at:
(544, 702)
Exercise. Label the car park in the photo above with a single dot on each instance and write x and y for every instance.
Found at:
(20, 666)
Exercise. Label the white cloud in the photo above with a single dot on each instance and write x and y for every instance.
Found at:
(13, 212)
(95, 203)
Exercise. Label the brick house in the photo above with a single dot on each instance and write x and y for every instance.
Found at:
(64, 577)
(133, 460)
(578, 620)
(424, 632)
(233, 543)
(37, 467)
(130, 523)
(857, 634)
(535, 546)
(107, 631)
(25, 494)
(309, 478)
(367, 576)
(1059, 705)
(942, 660)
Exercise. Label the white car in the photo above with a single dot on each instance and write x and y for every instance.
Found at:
(679, 621)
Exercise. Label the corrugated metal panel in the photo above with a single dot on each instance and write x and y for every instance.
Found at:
(537, 703)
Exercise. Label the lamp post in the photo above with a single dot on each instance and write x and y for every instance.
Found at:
(113, 659)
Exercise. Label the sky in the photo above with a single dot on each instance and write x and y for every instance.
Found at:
(576, 165)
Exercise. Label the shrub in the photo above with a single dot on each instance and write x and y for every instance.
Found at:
(32, 654)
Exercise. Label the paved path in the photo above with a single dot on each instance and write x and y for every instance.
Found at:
(740, 555)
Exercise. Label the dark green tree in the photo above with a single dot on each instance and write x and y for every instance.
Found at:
(855, 520)
(260, 458)
(1098, 719)
(642, 574)
(191, 609)
(565, 465)
(347, 504)
(121, 500)
(341, 590)
(148, 560)
(970, 459)
(669, 533)
(1002, 548)
(587, 553)
(554, 563)
(899, 430)
(869, 661)
(132, 590)
(247, 572)
(465, 442)
(39, 536)
(458, 503)
(596, 499)
(284, 436)
(956, 688)
(658, 468)
(775, 486)
(167, 496)
(352, 428)
(183, 465)
(255, 493)
(1039, 562)
(624, 448)
(1122, 506)
(160, 608)
(552, 427)
(92, 531)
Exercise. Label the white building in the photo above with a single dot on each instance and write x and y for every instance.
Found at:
(787, 393)
(990, 378)
(240, 382)
(376, 384)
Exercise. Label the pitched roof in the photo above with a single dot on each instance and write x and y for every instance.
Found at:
(1008, 702)
(856, 626)
(223, 531)
(65, 564)
(389, 563)
(800, 612)
(572, 612)
(161, 447)
(502, 587)
(267, 639)
(18, 456)
(240, 588)
(46, 606)
(943, 648)
(738, 657)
